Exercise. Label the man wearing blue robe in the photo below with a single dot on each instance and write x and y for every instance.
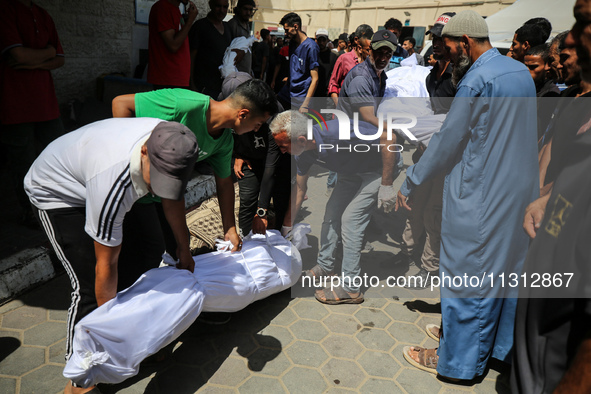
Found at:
(487, 149)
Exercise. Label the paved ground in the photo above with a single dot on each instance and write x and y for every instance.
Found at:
(280, 344)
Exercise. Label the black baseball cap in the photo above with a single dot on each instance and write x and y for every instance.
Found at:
(384, 38)
(440, 23)
(343, 37)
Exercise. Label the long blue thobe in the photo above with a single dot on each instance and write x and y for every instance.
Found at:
(487, 148)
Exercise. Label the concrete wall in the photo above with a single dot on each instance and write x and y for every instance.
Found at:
(96, 37)
(99, 37)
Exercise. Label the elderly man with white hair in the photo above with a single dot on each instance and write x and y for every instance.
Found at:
(348, 210)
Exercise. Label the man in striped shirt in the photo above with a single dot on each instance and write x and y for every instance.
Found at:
(83, 187)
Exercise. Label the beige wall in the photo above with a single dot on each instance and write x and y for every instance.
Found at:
(345, 15)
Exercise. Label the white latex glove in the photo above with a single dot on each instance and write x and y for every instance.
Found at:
(285, 230)
(386, 197)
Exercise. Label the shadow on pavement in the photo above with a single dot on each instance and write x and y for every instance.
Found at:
(423, 307)
(7, 346)
(201, 350)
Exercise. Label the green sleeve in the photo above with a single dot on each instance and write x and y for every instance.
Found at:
(161, 104)
(221, 161)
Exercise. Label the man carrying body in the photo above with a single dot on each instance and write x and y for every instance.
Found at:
(348, 210)
(239, 26)
(168, 47)
(347, 61)
(303, 62)
(30, 48)
(84, 184)
(362, 92)
(479, 150)
(247, 108)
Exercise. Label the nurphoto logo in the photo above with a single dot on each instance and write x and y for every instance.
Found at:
(401, 122)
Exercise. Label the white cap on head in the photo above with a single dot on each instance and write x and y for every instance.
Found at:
(321, 33)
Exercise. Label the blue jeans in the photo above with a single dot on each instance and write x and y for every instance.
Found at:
(348, 212)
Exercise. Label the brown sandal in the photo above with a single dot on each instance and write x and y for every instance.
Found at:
(317, 274)
(427, 358)
(433, 331)
(337, 296)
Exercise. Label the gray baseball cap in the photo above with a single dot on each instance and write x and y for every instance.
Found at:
(173, 152)
(231, 82)
(466, 22)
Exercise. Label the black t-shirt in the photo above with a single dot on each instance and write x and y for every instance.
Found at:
(574, 112)
(210, 46)
(549, 330)
(326, 61)
(265, 158)
(258, 146)
(261, 50)
(441, 91)
(547, 94)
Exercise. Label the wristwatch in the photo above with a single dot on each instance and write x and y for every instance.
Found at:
(261, 212)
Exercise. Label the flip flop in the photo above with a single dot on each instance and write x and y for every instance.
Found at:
(427, 358)
(429, 329)
(337, 296)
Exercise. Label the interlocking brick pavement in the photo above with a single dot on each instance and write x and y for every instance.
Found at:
(280, 344)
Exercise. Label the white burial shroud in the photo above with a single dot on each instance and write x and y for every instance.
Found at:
(111, 342)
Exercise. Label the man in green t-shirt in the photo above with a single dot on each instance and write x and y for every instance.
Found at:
(246, 109)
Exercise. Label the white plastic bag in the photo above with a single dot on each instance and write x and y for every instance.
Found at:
(266, 265)
(242, 43)
(298, 236)
(110, 343)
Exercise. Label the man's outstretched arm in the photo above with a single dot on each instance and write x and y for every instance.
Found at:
(123, 106)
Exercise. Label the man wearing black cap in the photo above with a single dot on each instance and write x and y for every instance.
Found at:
(362, 92)
(84, 184)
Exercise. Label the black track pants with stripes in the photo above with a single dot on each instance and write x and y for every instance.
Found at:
(142, 248)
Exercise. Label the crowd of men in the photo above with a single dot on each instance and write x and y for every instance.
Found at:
(513, 154)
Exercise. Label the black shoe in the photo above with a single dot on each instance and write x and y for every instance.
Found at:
(421, 280)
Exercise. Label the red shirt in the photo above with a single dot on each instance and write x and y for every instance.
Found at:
(165, 67)
(26, 95)
(343, 65)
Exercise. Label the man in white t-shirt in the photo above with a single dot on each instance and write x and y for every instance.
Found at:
(83, 186)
